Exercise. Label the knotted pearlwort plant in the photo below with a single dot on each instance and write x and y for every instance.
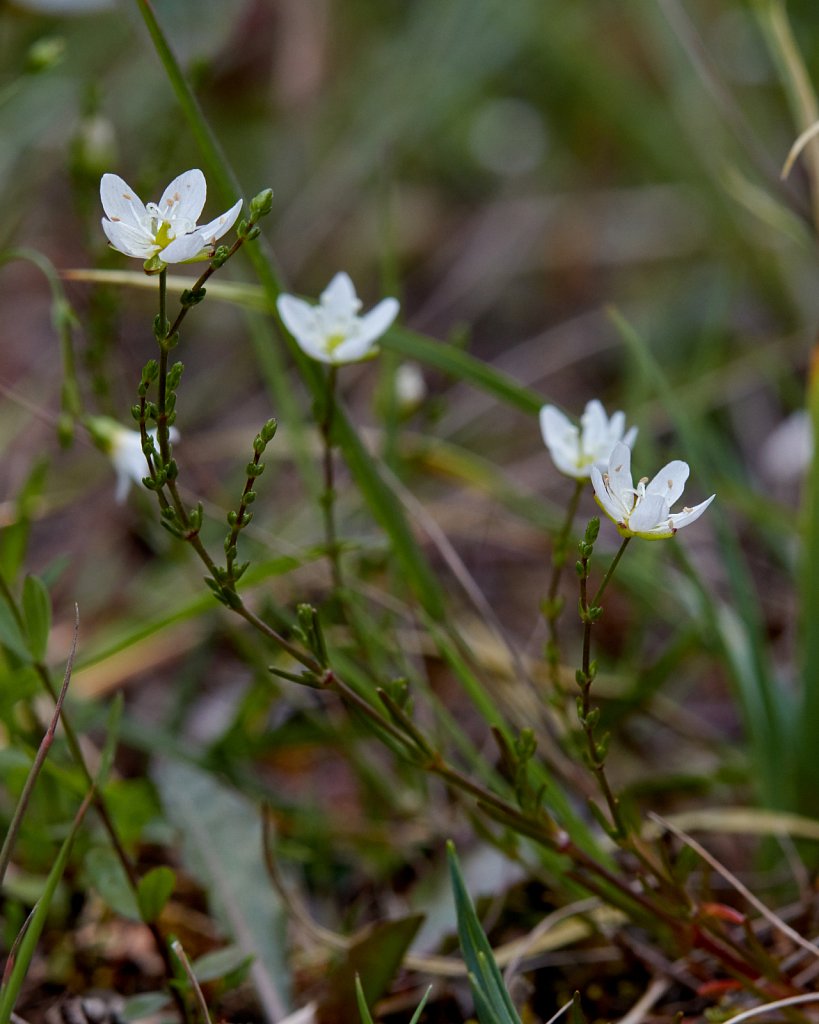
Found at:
(332, 332)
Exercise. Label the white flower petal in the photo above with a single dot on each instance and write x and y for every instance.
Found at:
(630, 437)
(554, 425)
(186, 247)
(184, 198)
(670, 481)
(339, 297)
(562, 438)
(373, 324)
(299, 317)
(604, 497)
(594, 428)
(689, 515)
(650, 515)
(121, 203)
(128, 240)
(214, 229)
(620, 481)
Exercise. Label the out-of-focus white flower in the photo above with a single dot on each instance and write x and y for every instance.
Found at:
(124, 448)
(410, 387)
(332, 331)
(167, 229)
(644, 510)
(786, 452)
(575, 450)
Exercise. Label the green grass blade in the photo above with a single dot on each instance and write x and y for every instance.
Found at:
(28, 944)
(477, 953)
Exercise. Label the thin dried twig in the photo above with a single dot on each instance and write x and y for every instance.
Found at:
(779, 1004)
(181, 956)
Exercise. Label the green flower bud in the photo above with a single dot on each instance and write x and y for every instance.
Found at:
(261, 204)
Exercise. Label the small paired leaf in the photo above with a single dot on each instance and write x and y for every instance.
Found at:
(154, 891)
(11, 636)
(37, 615)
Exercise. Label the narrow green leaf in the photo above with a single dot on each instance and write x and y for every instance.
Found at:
(420, 1008)
(14, 538)
(37, 615)
(462, 366)
(153, 892)
(477, 953)
(111, 739)
(363, 1009)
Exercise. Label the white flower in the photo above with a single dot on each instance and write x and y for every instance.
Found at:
(332, 331)
(124, 448)
(574, 451)
(167, 229)
(644, 510)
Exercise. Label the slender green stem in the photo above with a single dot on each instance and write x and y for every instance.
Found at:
(610, 572)
(553, 607)
(328, 498)
(595, 753)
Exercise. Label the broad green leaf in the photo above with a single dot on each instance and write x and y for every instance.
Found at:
(222, 846)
